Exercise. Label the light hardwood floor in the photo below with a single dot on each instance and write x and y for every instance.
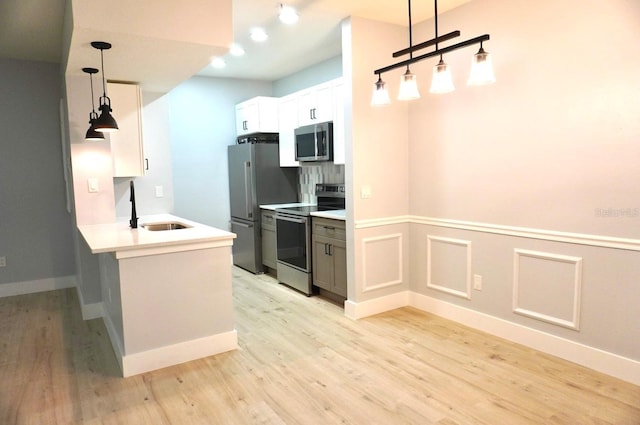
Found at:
(300, 361)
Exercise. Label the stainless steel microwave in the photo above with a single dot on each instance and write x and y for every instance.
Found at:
(314, 142)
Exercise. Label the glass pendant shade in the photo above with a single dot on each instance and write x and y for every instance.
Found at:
(481, 69)
(408, 86)
(380, 95)
(105, 122)
(441, 82)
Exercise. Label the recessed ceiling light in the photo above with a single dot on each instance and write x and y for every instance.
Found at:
(218, 63)
(288, 15)
(236, 50)
(259, 35)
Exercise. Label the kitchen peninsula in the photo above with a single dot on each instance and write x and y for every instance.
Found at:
(166, 293)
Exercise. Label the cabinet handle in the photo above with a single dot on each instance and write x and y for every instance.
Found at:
(146, 164)
(329, 228)
(330, 246)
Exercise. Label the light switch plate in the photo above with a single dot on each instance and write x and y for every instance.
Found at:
(92, 184)
(159, 191)
(477, 282)
(365, 191)
(3, 261)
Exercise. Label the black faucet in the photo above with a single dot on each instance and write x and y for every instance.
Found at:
(133, 223)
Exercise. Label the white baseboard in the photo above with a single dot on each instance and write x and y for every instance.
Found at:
(39, 285)
(133, 364)
(146, 361)
(593, 358)
(89, 311)
(377, 305)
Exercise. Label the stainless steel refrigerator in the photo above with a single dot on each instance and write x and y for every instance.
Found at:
(255, 178)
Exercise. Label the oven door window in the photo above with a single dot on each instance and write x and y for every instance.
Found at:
(291, 241)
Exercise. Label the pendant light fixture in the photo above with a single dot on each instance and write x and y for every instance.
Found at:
(92, 134)
(380, 95)
(105, 122)
(442, 81)
(409, 81)
(481, 69)
(481, 72)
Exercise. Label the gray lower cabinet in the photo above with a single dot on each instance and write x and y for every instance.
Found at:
(330, 255)
(268, 228)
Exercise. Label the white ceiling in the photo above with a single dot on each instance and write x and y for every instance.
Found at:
(32, 30)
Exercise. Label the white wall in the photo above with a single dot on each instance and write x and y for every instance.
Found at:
(157, 152)
(376, 150)
(551, 145)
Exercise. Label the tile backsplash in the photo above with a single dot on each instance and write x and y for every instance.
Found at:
(310, 175)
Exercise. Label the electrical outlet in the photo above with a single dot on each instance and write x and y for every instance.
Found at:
(3, 261)
(477, 282)
(159, 191)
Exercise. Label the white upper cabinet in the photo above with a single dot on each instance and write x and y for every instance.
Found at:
(257, 115)
(126, 143)
(315, 105)
(288, 111)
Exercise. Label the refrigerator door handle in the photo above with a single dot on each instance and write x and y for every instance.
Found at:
(237, 223)
(248, 189)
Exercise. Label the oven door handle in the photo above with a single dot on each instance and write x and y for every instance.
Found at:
(294, 220)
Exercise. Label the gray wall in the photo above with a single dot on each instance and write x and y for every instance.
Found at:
(316, 74)
(35, 227)
(202, 114)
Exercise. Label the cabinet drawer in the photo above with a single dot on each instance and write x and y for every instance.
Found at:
(268, 220)
(329, 228)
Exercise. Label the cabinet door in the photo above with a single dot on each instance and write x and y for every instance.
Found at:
(322, 263)
(324, 103)
(316, 105)
(306, 104)
(339, 254)
(242, 119)
(257, 115)
(126, 144)
(288, 121)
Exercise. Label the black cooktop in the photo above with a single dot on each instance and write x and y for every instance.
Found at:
(304, 211)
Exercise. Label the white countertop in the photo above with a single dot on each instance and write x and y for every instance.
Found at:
(118, 236)
(333, 214)
(273, 207)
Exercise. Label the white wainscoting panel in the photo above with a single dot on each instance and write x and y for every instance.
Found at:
(547, 287)
(449, 266)
(381, 261)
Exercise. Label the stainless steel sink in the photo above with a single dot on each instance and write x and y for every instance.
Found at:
(168, 225)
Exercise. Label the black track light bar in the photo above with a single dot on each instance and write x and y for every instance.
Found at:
(437, 52)
(427, 43)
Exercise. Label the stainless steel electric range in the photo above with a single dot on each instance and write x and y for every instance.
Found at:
(293, 236)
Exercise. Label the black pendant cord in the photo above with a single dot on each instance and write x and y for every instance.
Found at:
(93, 105)
(410, 35)
(104, 86)
(435, 7)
